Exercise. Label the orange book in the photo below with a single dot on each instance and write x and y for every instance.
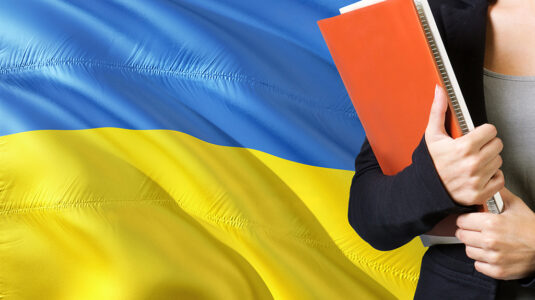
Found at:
(390, 56)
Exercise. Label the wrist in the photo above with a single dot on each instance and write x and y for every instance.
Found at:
(429, 174)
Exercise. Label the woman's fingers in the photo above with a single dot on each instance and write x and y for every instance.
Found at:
(470, 238)
(494, 185)
(480, 136)
(478, 254)
(490, 150)
(490, 169)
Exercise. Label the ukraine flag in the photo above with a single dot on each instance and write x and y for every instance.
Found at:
(180, 149)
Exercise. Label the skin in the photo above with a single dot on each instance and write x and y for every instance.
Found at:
(469, 166)
(500, 244)
(510, 40)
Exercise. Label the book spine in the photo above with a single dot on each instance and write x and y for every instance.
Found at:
(495, 204)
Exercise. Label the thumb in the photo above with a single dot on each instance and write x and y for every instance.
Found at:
(435, 127)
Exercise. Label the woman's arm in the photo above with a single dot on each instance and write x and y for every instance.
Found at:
(389, 211)
(446, 176)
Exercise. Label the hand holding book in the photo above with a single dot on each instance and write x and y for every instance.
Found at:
(469, 165)
(390, 55)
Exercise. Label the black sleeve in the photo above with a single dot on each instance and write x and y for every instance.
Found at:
(528, 282)
(389, 211)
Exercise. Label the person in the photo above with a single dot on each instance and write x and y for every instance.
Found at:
(490, 47)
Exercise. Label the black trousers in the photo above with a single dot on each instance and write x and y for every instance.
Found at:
(447, 273)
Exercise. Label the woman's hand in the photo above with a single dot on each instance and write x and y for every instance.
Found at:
(469, 165)
(503, 245)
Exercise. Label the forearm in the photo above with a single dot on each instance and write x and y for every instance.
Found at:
(389, 211)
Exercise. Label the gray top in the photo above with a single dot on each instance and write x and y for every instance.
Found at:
(510, 105)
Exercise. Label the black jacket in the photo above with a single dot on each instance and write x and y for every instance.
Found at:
(389, 211)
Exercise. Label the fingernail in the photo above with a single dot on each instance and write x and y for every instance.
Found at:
(437, 88)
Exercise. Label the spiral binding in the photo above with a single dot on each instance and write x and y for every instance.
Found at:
(491, 203)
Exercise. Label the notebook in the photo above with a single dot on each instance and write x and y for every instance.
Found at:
(390, 56)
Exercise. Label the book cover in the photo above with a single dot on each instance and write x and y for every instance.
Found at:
(383, 53)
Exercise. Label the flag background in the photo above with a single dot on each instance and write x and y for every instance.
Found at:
(180, 149)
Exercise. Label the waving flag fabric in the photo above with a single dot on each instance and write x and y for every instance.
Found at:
(180, 150)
